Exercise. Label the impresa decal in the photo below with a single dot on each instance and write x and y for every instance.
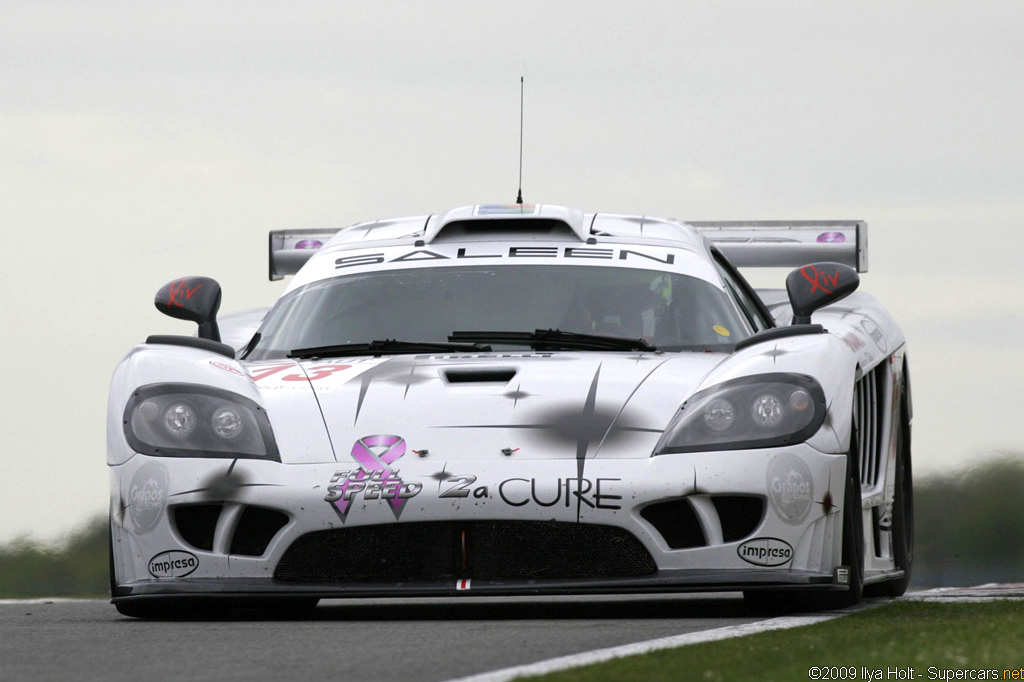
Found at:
(374, 479)
(147, 494)
(173, 563)
(765, 551)
(518, 492)
(790, 488)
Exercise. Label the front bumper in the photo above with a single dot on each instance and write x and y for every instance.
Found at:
(740, 520)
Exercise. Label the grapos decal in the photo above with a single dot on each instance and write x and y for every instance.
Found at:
(790, 488)
(147, 494)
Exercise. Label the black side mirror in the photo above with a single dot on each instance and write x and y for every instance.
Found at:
(196, 299)
(817, 285)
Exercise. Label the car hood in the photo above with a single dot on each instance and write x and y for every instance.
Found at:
(571, 405)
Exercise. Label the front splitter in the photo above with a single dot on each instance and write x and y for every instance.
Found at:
(660, 582)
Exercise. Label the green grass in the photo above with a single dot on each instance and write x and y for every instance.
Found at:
(76, 567)
(907, 634)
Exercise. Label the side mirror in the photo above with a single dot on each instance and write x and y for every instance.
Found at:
(817, 285)
(196, 299)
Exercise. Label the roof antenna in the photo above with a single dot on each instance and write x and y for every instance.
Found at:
(519, 197)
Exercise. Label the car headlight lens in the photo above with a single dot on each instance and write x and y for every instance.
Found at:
(766, 411)
(751, 412)
(179, 419)
(719, 414)
(191, 420)
(227, 423)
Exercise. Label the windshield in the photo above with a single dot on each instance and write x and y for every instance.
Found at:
(668, 310)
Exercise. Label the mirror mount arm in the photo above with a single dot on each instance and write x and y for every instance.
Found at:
(209, 330)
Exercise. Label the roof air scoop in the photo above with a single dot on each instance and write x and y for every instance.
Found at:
(523, 221)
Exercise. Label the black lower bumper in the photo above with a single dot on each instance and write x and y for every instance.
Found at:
(661, 582)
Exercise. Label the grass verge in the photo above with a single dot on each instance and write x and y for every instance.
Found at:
(932, 638)
(76, 567)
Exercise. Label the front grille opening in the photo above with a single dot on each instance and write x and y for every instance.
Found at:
(196, 523)
(494, 550)
(256, 528)
(677, 523)
(740, 515)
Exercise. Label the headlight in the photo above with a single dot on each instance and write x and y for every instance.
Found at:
(190, 420)
(751, 412)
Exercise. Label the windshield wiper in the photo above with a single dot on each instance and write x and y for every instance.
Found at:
(554, 339)
(387, 347)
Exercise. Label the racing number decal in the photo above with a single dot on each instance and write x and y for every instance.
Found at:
(315, 372)
(318, 372)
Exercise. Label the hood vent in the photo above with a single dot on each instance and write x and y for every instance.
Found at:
(503, 230)
(484, 375)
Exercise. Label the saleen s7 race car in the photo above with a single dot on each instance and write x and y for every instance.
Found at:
(519, 400)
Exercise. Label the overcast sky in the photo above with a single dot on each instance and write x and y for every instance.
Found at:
(144, 141)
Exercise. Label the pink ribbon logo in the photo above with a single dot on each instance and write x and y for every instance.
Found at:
(374, 479)
(361, 452)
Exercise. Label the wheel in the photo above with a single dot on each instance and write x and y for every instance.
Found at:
(902, 518)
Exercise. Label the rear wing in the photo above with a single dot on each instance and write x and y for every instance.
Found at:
(290, 249)
(789, 243)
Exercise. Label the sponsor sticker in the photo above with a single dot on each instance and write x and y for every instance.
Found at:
(831, 238)
(226, 367)
(147, 494)
(595, 494)
(375, 479)
(790, 488)
(876, 335)
(173, 563)
(765, 552)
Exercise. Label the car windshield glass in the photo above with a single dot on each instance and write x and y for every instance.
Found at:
(668, 310)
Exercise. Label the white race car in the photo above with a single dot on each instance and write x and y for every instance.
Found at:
(519, 400)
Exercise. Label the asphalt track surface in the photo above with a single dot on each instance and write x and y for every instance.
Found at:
(344, 641)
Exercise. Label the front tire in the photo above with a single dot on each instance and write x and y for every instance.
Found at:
(902, 519)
